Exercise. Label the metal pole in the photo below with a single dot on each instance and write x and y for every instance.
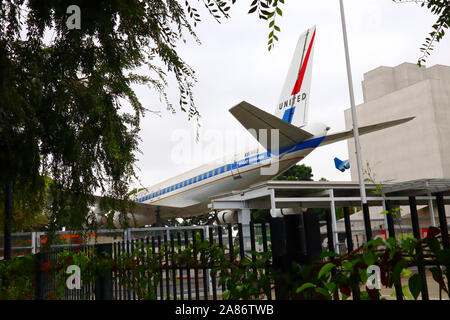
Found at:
(430, 205)
(333, 220)
(355, 130)
(352, 104)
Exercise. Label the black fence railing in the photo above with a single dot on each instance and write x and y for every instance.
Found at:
(181, 282)
(293, 238)
(176, 281)
(414, 219)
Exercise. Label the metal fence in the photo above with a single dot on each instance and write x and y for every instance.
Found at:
(185, 283)
(177, 282)
(291, 238)
(348, 244)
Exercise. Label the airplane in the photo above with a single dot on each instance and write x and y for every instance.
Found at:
(341, 165)
(187, 194)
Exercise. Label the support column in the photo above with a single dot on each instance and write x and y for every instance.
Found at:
(244, 217)
(33, 243)
(386, 215)
(430, 205)
(333, 221)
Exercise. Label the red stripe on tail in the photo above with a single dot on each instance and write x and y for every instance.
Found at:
(298, 83)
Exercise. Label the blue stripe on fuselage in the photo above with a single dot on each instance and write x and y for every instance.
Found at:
(312, 143)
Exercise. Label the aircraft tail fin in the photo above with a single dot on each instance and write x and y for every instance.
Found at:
(293, 104)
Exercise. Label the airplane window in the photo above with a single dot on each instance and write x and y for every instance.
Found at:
(200, 178)
(190, 181)
(195, 180)
(185, 182)
(205, 175)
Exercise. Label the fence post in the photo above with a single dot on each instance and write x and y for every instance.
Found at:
(416, 232)
(104, 283)
(279, 253)
(311, 227)
(348, 229)
(294, 238)
(442, 220)
(391, 230)
(39, 279)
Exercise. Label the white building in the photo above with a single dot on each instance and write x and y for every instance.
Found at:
(415, 150)
(419, 149)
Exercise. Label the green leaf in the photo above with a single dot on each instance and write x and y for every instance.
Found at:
(363, 275)
(406, 292)
(325, 270)
(406, 272)
(369, 258)
(415, 285)
(398, 268)
(305, 286)
(253, 9)
(226, 294)
(328, 254)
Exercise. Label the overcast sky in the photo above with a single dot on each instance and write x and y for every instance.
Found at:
(233, 64)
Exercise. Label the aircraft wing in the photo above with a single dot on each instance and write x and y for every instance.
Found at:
(145, 213)
(146, 209)
(252, 117)
(335, 137)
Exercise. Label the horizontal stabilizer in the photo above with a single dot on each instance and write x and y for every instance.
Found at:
(341, 165)
(254, 118)
(335, 137)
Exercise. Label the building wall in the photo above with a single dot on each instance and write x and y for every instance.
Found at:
(414, 150)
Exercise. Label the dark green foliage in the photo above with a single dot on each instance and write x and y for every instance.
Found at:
(297, 173)
(61, 97)
(250, 277)
(268, 10)
(61, 93)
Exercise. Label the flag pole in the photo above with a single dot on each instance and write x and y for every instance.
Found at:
(355, 130)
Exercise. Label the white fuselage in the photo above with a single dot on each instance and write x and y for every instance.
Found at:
(241, 171)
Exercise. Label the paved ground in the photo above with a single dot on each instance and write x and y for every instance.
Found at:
(433, 289)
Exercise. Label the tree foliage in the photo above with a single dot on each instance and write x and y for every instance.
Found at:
(297, 173)
(441, 8)
(62, 89)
